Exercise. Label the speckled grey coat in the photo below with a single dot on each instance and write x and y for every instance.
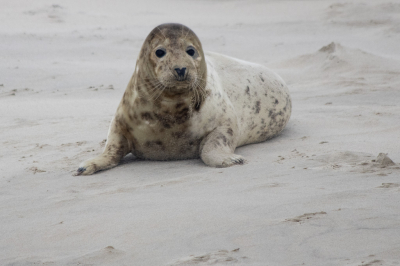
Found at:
(220, 103)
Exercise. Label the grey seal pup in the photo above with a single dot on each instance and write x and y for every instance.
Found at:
(182, 103)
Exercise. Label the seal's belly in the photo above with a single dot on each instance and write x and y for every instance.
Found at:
(158, 143)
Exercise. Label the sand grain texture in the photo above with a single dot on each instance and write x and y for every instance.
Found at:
(325, 192)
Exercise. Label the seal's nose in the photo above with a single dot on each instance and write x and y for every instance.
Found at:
(181, 72)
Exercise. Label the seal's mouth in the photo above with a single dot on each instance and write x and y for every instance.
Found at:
(179, 86)
(183, 81)
(179, 80)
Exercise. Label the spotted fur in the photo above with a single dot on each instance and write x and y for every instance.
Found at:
(222, 103)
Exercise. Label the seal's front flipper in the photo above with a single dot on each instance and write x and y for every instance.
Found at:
(117, 147)
(233, 159)
(94, 165)
(217, 148)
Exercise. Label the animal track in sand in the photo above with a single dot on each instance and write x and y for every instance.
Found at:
(389, 185)
(20, 123)
(78, 143)
(16, 92)
(54, 13)
(101, 87)
(106, 256)
(293, 154)
(266, 186)
(36, 170)
(221, 257)
(304, 217)
(373, 262)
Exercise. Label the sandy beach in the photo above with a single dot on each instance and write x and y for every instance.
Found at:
(326, 191)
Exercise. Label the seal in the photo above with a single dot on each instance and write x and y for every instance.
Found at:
(182, 104)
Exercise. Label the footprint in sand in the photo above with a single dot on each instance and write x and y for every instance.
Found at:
(54, 13)
(36, 170)
(15, 92)
(106, 256)
(101, 87)
(304, 217)
(221, 257)
(389, 185)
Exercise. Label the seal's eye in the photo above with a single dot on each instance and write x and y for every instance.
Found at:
(160, 53)
(190, 52)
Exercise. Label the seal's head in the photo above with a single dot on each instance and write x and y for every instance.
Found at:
(173, 59)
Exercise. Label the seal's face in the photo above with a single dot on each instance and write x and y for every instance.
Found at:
(174, 57)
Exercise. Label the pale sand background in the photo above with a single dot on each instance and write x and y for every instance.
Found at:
(311, 196)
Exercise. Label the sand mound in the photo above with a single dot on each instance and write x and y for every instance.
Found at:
(357, 162)
(336, 59)
(383, 160)
(344, 71)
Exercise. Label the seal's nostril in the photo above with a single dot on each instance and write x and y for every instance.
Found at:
(181, 72)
